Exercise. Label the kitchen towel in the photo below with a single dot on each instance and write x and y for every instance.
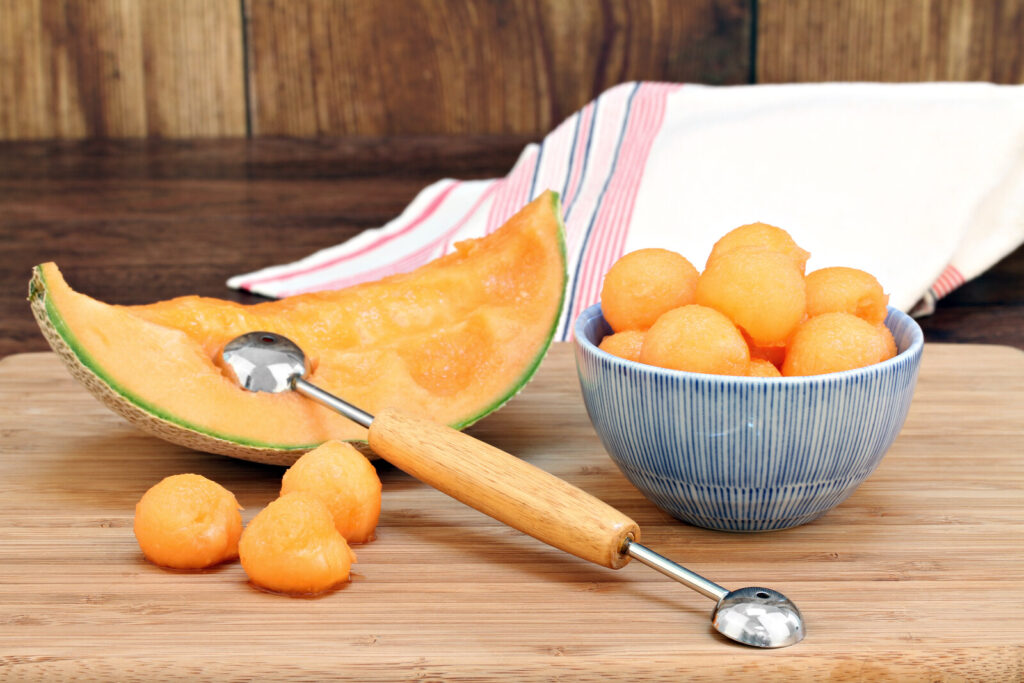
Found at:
(921, 185)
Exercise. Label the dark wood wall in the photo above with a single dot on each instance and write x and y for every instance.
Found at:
(231, 68)
(890, 40)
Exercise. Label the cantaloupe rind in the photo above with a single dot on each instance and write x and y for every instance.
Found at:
(144, 416)
(531, 370)
(178, 427)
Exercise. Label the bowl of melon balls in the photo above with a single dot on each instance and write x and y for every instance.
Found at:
(751, 396)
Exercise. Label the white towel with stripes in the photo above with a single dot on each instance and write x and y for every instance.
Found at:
(921, 185)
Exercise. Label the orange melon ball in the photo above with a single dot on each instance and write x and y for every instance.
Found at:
(759, 367)
(292, 547)
(187, 521)
(642, 285)
(761, 291)
(889, 349)
(773, 354)
(345, 481)
(764, 236)
(832, 342)
(624, 344)
(696, 339)
(846, 290)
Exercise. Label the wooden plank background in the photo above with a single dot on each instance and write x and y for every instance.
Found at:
(346, 67)
(891, 40)
(80, 69)
(121, 69)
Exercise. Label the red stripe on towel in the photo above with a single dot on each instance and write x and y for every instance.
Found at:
(553, 168)
(610, 124)
(579, 155)
(453, 233)
(383, 239)
(950, 279)
(411, 261)
(613, 219)
(509, 198)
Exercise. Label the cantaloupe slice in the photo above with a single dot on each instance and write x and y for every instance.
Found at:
(451, 342)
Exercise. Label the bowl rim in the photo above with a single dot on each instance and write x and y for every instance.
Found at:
(908, 355)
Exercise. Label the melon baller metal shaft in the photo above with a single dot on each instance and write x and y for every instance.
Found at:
(760, 617)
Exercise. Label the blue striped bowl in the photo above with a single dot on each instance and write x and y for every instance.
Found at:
(745, 453)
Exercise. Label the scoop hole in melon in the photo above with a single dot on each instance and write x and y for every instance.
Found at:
(451, 342)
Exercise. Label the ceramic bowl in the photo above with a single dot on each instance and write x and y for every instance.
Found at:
(745, 453)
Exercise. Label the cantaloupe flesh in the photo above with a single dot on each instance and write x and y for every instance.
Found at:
(450, 341)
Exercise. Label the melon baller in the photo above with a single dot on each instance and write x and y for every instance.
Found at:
(513, 491)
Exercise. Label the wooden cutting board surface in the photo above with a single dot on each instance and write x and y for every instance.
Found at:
(918, 576)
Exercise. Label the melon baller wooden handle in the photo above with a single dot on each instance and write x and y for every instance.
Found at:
(508, 489)
(481, 476)
(512, 491)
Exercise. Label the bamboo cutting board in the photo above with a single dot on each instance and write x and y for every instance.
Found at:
(918, 576)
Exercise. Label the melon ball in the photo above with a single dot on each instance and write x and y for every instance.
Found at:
(642, 285)
(696, 339)
(832, 342)
(292, 547)
(187, 521)
(762, 291)
(764, 236)
(773, 354)
(846, 290)
(759, 367)
(889, 349)
(624, 344)
(345, 481)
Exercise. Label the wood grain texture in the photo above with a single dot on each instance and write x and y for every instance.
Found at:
(890, 40)
(907, 580)
(132, 222)
(177, 68)
(352, 67)
(121, 69)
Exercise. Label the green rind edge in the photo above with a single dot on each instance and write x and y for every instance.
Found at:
(57, 320)
(84, 357)
(556, 207)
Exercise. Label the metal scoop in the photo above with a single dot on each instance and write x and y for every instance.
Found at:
(513, 491)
